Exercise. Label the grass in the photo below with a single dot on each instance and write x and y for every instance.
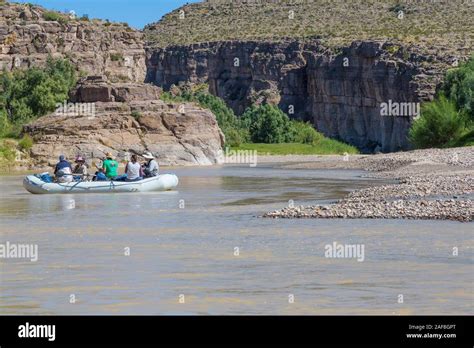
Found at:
(7, 154)
(324, 147)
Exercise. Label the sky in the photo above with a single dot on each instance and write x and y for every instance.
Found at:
(137, 13)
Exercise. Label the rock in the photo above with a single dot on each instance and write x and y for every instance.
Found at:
(413, 196)
(137, 123)
(95, 47)
(343, 102)
(97, 89)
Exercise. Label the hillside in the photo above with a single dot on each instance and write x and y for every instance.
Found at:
(30, 33)
(114, 110)
(439, 27)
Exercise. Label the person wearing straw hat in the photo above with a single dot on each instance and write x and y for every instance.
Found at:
(110, 166)
(150, 168)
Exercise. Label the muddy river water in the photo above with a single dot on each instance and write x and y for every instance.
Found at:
(203, 249)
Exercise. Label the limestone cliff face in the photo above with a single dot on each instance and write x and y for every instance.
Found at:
(339, 92)
(126, 119)
(114, 110)
(95, 46)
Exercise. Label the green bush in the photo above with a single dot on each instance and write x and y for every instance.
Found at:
(7, 154)
(440, 124)
(5, 126)
(267, 124)
(26, 143)
(304, 133)
(116, 57)
(459, 87)
(55, 17)
(448, 121)
(136, 114)
(28, 94)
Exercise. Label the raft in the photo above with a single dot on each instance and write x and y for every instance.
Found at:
(165, 182)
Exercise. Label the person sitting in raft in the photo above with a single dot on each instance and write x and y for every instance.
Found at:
(110, 166)
(133, 169)
(63, 170)
(150, 168)
(80, 170)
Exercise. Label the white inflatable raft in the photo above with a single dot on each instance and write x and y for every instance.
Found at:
(163, 182)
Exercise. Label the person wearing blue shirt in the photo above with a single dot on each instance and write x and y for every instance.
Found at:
(63, 170)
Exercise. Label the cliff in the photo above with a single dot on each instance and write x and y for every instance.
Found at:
(112, 110)
(126, 118)
(341, 94)
(333, 63)
(29, 34)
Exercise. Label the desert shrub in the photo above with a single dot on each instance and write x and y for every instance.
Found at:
(116, 57)
(55, 17)
(304, 133)
(25, 143)
(136, 114)
(5, 126)
(448, 120)
(7, 154)
(439, 125)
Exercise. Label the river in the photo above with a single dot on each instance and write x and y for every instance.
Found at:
(203, 249)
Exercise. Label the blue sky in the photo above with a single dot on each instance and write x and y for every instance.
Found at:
(137, 13)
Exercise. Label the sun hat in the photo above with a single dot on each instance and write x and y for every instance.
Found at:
(109, 155)
(80, 159)
(148, 155)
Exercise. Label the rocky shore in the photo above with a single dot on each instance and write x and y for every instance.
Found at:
(433, 184)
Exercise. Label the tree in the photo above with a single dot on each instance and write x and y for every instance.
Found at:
(267, 124)
(28, 94)
(459, 87)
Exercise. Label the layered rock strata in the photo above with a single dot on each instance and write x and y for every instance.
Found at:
(341, 93)
(126, 119)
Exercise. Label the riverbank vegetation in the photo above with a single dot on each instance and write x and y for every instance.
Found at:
(25, 95)
(263, 128)
(325, 147)
(28, 94)
(448, 121)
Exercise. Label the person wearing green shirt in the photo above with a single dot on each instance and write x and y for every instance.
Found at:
(110, 166)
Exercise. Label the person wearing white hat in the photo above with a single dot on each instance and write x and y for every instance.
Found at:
(150, 168)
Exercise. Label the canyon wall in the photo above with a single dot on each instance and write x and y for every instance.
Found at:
(117, 112)
(94, 46)
(340, 93)
(126, 118)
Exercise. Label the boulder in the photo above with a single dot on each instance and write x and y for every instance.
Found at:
(126, 119)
